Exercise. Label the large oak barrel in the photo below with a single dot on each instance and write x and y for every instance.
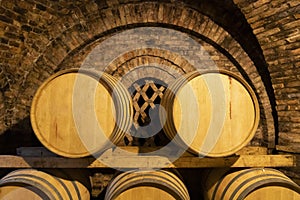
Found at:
(214, 113)
(76, 112)
(30, 184)
(156, 185)
(249, 184)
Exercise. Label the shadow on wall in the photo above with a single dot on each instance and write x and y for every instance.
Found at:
(19, 135)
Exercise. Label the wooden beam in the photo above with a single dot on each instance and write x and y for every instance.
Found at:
(130, 157)
(239, 161)
(295, 148)
(253, 150)
(9, 161)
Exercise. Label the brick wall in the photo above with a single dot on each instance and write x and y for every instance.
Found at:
(276, 25)
(257, 39)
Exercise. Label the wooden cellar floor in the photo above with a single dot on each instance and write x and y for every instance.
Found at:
(36, 157)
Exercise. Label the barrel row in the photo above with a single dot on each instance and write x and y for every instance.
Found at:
(77, 112)
(217, 184)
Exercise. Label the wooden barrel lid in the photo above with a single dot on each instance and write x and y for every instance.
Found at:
(74, 113)
(214, 113)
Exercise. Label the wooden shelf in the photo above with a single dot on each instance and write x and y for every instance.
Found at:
(248, 157)
(9, 161)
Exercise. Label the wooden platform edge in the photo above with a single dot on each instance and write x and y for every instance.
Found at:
(118, 162)
(42, 151)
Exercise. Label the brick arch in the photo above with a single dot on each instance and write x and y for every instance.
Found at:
(148, 56)
(137, 64)
(83, 31)
(160, 64)
(277, 32)
(276, 27)
(147, 71)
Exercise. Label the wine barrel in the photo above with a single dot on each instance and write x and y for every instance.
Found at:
(156, 185)
(77, 112)
(213, 113)
(250, 184)
(37, 185)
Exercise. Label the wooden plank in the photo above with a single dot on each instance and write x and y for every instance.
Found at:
(253, 150)
(238, 161)
(295, 148)
(9, 161)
